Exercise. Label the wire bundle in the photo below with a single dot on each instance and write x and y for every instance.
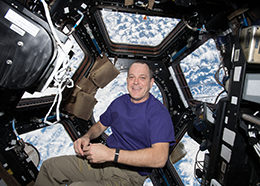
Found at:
(62, 78)
(252, 135)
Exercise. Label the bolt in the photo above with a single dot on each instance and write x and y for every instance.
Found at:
(20, 43)
(9, 62)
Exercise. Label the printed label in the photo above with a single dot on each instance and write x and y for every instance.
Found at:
(21, 22)
(18, 30)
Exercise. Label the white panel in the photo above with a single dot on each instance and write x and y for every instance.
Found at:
(237, 54)
(237, 73)
(226, 120)
(223, 167)
(229, 136)
(225, 153)
(83, 5)
(253, 88)
(234, 100)
(66, 10)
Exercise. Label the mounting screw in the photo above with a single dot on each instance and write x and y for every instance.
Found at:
(20, 43)
(9, 62)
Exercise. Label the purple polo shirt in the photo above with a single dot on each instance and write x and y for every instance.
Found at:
(137, 126)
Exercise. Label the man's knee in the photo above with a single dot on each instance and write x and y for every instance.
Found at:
(45, 163)
(49, 163)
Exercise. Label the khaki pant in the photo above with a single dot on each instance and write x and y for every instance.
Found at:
(75, 171)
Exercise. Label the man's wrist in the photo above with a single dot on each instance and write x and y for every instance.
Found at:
(86, 137)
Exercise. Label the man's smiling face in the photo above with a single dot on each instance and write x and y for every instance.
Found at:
(139, 82)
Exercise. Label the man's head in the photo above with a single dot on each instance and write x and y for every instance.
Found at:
(139, 81)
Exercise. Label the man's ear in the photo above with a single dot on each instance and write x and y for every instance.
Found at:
(151, 83)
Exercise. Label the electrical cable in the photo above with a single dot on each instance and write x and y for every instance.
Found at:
(217, 74)
(16, 134)
(62, 77)
(218, 81)
(14, 129)
(48, 17)
(77, 23)
(161, 171)
(218, 96)
(190, 27)
(199, 165)
(252, 134)
(89, 31)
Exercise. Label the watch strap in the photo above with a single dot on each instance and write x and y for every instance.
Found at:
(116, 155)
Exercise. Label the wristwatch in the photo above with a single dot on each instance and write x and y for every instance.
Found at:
(116, 155)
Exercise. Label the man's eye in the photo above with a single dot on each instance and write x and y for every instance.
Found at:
(143, 77)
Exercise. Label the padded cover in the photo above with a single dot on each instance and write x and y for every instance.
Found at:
(105, 73)
(82, 101)
(83, 106)
(26, 49)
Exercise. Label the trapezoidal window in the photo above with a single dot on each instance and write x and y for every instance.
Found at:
(137, 29)
(204, 73)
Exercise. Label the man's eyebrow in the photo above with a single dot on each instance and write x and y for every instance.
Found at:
(138, 75)
(144, 75)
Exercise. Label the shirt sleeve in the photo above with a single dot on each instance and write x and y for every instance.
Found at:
(161, 128)
(105, 118)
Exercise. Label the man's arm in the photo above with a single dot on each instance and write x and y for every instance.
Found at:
(95, 131)
(155, 156)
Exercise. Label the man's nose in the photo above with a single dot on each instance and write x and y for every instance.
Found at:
(136, 81)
